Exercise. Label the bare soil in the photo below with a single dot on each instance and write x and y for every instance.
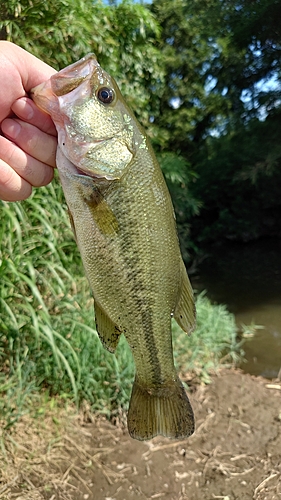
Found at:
(235, 452)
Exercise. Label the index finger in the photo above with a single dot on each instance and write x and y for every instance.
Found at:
(25, 109)
(31, 140)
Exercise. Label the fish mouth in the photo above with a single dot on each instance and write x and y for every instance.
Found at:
(86, 172)
(98, 178)
(95, 175)
(69, 78)
(80, 168)
(92, 175)
(62, 83)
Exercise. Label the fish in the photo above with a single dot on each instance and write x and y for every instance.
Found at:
(124, 224)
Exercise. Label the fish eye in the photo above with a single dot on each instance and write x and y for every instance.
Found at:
(105, 95)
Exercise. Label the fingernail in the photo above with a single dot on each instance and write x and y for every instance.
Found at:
(11, 128)
(28, 111)
(23, 109)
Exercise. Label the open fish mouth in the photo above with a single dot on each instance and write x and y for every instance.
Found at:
(64, 82)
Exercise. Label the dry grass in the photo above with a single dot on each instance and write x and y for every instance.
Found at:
(47, 458)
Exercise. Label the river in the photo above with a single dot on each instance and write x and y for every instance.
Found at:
(247, 278)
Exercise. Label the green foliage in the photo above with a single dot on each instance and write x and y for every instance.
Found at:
(186, 109)
(215, 53)
(53, 30)
(249, 48)
(122, 36)
(218, 57)
(239, 180)
(213, 343)
(179, 177)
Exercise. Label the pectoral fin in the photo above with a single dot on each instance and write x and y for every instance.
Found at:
(104, 218)
(184, 313)
(72, 224)
(108, 331)
(93, 196)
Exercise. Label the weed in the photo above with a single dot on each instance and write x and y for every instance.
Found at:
(213, 343)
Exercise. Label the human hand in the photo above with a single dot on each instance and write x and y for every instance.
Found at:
(28, 136)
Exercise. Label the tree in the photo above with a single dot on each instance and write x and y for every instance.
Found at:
(239, 171)
(122, 36)
(249, 51)
(217, 113)
(217, 53)
(186, 109)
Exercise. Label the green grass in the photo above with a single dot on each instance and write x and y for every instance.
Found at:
(214, 342)
(48, 342)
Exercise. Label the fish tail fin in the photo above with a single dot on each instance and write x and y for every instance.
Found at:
(165, 410)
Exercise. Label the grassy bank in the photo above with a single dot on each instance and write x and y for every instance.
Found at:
(48, 343)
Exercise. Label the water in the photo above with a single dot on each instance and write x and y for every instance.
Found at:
(247, 278)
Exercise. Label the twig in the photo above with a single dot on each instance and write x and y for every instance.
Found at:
(67, 472)
(237, 457)
(273, 386)
(265, 481)
(95, 460)
(160, 447)
(204, 424)
(81, 479)
(28, 481)
(7, 485)
(242, 473)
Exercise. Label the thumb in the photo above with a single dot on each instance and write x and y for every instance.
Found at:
(31, 69)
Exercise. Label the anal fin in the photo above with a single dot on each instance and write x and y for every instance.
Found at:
(108, 331)
(184, 313)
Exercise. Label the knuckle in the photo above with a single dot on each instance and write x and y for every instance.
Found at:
(9, 152)
(32, 144)
(46, 175)
(43, 148)
(12, 186)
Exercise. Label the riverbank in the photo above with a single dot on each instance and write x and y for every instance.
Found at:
(235, 452)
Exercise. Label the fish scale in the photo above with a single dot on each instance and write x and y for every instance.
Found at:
(124, 224)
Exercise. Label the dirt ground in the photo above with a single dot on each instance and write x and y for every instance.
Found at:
(235, 452)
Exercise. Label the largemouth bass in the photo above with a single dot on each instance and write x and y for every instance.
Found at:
(123, 220)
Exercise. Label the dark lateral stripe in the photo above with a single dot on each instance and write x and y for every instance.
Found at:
(150, 345)
(136, 276)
